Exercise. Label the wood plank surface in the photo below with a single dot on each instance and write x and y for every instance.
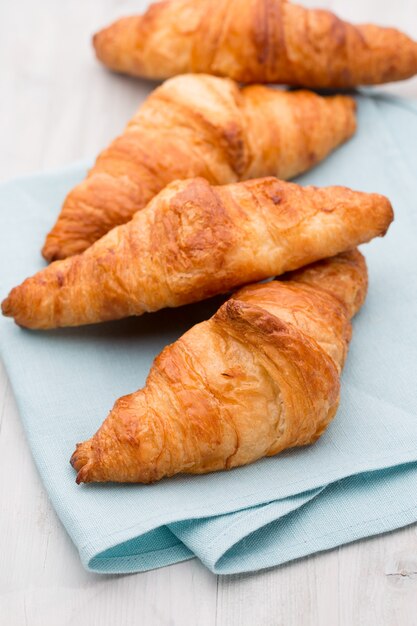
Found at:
(58, 105)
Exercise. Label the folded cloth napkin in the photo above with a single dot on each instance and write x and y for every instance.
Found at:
(359, 479)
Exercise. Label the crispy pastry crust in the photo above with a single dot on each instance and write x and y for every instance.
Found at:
(265, 41)
(260, 376)
(194, 241)
(199, 126)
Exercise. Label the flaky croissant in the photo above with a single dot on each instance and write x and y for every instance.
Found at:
(265, 41)
(199, 126)
(260, 376)
(193, 241)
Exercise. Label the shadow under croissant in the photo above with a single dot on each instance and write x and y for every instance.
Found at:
(327, 91)
(135, 84)
(175, 321)
(201, 478)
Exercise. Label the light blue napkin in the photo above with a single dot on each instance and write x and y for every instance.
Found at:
(359, 479)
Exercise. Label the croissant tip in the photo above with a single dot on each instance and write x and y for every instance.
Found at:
(74, 458)
(96, 39)
(61, 246)
(49, 253)
(6, 307)
(81, 462)
(101, 40)
(84, 474)
(78, 478)
(388, 214)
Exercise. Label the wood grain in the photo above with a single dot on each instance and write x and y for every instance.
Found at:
(58, 105)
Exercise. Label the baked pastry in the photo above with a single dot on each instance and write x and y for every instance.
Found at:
(199, 126)
(260, 376)
(193, 241)
(263, 41)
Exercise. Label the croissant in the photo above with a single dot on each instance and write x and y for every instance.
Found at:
(193, 241)
(262, 375)
(266, 41)
(199, 126)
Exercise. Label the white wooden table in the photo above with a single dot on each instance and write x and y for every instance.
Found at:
(56, 106)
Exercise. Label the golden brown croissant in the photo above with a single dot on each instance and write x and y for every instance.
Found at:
(265, 41)
(199, 126)
(260, 376)
(193, 241)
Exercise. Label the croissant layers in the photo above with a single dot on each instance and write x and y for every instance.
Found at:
(199, 126)
(260, 376)
(271, 41)
(193, 241)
